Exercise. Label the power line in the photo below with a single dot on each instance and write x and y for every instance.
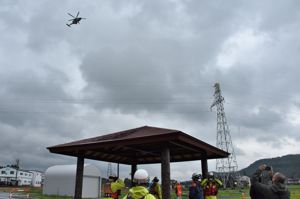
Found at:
(109, 101)
(49, 81)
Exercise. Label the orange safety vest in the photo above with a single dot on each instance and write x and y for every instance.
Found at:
(210, 190)
(178, 190)
(108, 192)
(152, 189)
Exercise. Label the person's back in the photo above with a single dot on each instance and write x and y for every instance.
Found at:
(254, 194)
(177, 188)
(155, 189)
(141, 178)
(274, 190)
(139, 192)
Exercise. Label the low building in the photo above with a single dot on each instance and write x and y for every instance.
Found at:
(293, 181)
(37, 178)
(60, 180)
(24, 177)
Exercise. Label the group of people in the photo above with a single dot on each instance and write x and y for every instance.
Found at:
(142, 191)
(259, 189)
(209, 186)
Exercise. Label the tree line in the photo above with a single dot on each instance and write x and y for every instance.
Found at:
(288, 165)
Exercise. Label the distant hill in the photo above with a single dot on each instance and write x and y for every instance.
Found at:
(288, 165)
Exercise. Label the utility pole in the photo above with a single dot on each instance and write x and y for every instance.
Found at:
(227, 168)
(17, 169)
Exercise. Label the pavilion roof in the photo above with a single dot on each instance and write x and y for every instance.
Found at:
(143, 144)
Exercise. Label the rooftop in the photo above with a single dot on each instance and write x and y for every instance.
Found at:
(143, 144)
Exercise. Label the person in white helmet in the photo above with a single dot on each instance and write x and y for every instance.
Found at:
(141, 178)
(210, 186)
(112, 186)
(177, 188)
(195, 188)
(155, 188)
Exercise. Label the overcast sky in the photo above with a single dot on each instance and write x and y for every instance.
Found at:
(136, 63)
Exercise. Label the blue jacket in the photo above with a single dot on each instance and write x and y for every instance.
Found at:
(195, 191)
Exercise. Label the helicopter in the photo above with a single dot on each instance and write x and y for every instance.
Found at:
(75, 20)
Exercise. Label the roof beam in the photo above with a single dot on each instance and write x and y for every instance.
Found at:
(186, 147)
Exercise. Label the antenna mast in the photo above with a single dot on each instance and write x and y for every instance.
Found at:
(109, 169)
(227, 168)
(18, 161)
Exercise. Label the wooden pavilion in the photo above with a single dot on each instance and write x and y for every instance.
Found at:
(143, 145)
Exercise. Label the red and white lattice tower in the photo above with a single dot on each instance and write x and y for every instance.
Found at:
(227, 168)
(109, 170)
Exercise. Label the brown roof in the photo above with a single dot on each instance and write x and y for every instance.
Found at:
(144, 144)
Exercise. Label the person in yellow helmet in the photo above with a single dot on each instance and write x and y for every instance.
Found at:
(140, 191)
(112, 186)
(210, 186)
(155, 189)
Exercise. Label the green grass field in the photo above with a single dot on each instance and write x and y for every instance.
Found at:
(295, 193)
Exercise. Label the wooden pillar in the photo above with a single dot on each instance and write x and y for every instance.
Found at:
(79, 175)
(118, 170)
(204, 166)
(133, 170)
(165, 169)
